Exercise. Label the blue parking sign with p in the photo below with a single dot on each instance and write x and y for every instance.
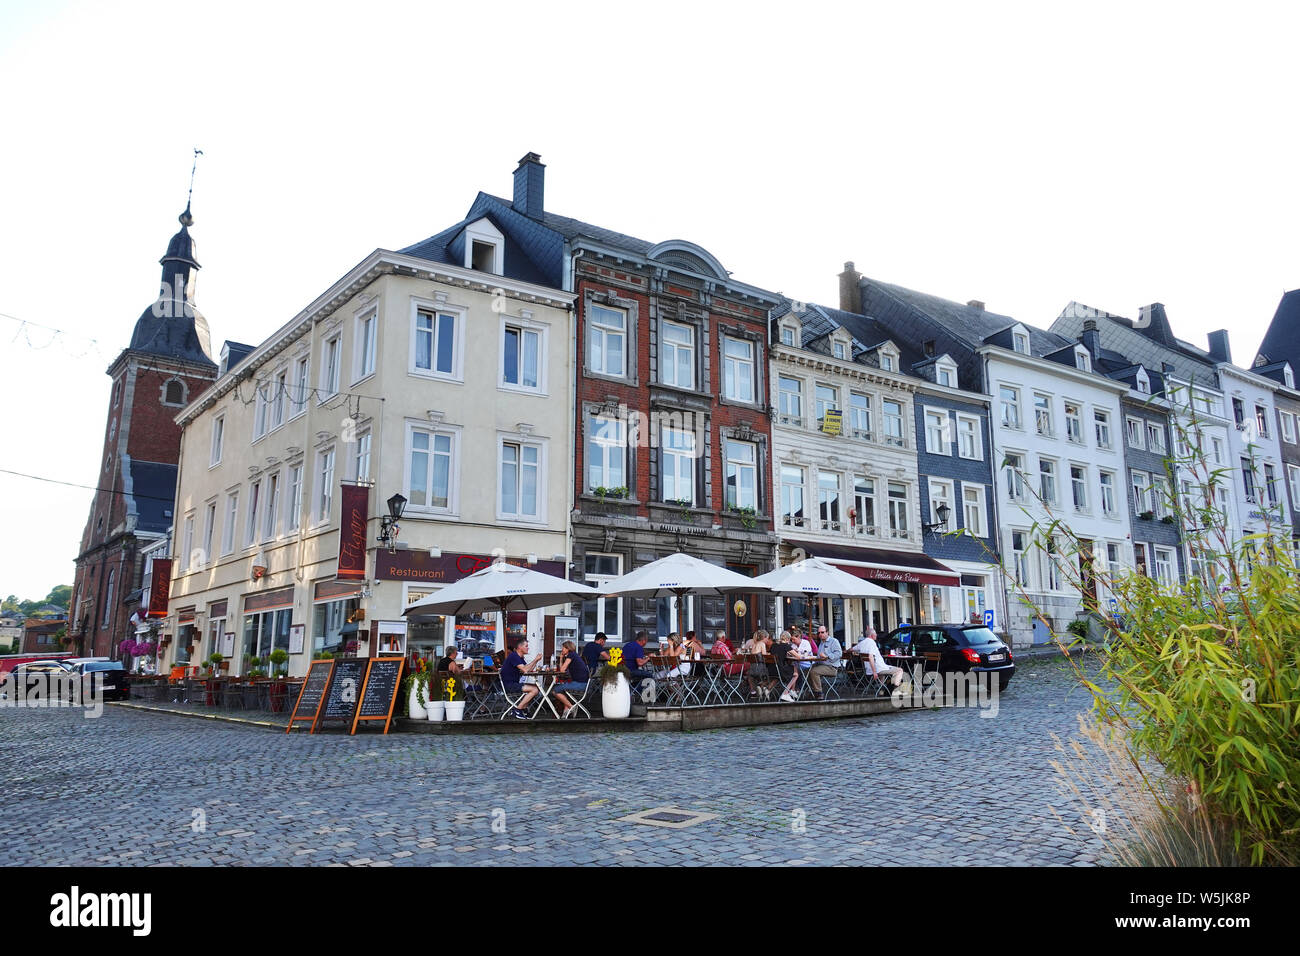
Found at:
(988, 619)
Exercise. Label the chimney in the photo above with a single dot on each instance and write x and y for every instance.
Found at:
(976, 304)
(850, 290)
(1091, 337)
(1220, 351)
(530, 183)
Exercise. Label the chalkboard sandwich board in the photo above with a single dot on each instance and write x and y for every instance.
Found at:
(379, 692)
(343, 693)
(312, 694)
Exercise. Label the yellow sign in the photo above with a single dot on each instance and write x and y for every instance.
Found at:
(833, 421)
(739, 608)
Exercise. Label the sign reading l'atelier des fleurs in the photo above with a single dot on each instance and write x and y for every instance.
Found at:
(407, 565)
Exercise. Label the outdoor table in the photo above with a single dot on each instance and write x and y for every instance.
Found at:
(481, 685)
(547, 678)
(718, 688)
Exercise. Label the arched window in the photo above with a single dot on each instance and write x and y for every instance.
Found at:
(108, 598)
(174, 392)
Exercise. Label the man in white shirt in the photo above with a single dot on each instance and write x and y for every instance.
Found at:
(868, 648)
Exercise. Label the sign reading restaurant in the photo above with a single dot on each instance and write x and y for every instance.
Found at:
(418, 566)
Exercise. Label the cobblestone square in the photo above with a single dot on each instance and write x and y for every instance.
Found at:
(937, 787)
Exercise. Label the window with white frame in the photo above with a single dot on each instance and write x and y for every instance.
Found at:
(1106, 481)
(431, 469)
(1047, 480)
(737, 370)
(860, 416)
(864, 504)
(607, 340)
(1073, 423)
(1288, 377)
(677, 449)
(1051, 564)
(606, 453)
(1010, 399)
(1143, 383)
(279, 397)
(1161, 500)
(1156, 437)
(521, 351)
(1136, 438)
(293, 514)
(521, 480)
(892, 416)
(254, 506)
(187, 545)
(945, 374)
(301, 371)
(324, 484)
(1204, 403)
(1043, 415)
(787, 335)
(888, 358)
(940, 494)
(1288, 427)
(1020, 342)
(228, 529)
(361, 457)
(972, 499)
(1261, 420)
(1141, 492)
(1079, 487)
(366, 333)
(1270, 485)
(677, 355)
(1020, 558)
(742, 473)
(1293, 481)
(898, 510)
(969, 441)
(1082, 360)
(218, 439)
(261, 411)
(937, 438)
(329, 369)
(271, 509)
(1248, 479)
(828, 399)
(209, 529)
(1216, 450)
(1101, 426)
(838, 349)
(790, 400)
(792, 505)
(828, 500)
(604, 614)
(435, 346)
(1164, 561)
(1013, 475)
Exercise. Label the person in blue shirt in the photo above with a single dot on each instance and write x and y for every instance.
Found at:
(512, 670)
(634, 659)
(573, 676)
(594, 653)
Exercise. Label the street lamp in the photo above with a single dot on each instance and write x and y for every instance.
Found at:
(942, 512)
(388, 527)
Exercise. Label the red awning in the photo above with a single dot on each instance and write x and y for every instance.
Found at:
(877, 564)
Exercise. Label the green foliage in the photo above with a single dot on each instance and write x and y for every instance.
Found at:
(602, 492)
(277, 658)
(1079, 628)
(748, 516)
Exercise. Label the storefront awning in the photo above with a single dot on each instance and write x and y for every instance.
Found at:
(878, 564)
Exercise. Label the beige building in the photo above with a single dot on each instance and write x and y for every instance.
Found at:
(447, 384)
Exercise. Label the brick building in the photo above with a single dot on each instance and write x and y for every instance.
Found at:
(166, 364)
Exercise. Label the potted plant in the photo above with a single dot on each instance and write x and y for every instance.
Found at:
(685, 509)
(1147, 515)
(436, 707)
(748, 516)
(279, 657)
(416, 688)
(453, 702)
(1168, 519)
(615, 686)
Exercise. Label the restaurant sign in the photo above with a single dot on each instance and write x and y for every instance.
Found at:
(352, 532)
(418, 566)
(160, 587)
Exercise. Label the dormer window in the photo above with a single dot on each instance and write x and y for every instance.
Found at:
(1020, 342)
(1288, 377)
(484, 245)
(888, 357)
(787, 335)
(838, 350)
(1143, 383)
(1082, 360)
(945, 372)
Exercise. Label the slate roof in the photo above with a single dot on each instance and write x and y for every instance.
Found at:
(1124, 346)
(153, 491)
(1282, 340)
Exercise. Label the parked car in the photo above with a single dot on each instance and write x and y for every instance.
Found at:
(112, 673)
(953, 648)
(20, 673)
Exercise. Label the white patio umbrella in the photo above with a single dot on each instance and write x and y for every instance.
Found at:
(500, 587)
(676, 576)
(814, 578)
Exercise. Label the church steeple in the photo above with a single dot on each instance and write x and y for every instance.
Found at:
(173, 325)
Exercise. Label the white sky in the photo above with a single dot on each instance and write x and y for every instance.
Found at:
(1117, 154)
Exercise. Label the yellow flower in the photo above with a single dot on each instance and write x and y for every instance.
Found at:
(616, 657)
(451, 688)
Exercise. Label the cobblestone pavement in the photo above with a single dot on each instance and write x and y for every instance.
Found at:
(929, 787)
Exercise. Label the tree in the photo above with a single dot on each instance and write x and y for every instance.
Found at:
(59, 595)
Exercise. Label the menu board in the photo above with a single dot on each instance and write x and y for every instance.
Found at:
(312, 693)
(379, 692)
(344, 691)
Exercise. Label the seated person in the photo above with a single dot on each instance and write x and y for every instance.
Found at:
(756, 676)
(594, 653)
(875, 663)
(448, 661)
(634, 658)
(573, 678)
(513, 670)
(690, 649)
(722, 648)
(801, 655)
(829, 661)
(670, 652)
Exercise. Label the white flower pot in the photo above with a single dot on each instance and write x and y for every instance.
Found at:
(616, 699)
(455, 709)
(414, 710)
(435, 709)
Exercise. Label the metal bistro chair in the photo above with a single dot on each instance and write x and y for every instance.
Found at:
(513, 701)
(730, 680)
(483, 696)
(579, 696)
(830, 685)
(670, 688)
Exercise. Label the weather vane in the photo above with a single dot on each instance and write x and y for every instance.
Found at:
(190, 195)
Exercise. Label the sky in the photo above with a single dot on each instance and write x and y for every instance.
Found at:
(1025, 155)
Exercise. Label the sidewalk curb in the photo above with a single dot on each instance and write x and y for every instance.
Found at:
(182, 713)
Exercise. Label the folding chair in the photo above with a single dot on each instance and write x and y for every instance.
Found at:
(577, 698)
(512, 700)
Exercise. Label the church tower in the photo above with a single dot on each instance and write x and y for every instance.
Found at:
(166, 366)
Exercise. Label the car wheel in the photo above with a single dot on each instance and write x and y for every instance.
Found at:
(1002, 683)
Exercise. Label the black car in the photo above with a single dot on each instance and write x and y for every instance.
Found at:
(110, 675)
(30, 675)
(953, 648)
